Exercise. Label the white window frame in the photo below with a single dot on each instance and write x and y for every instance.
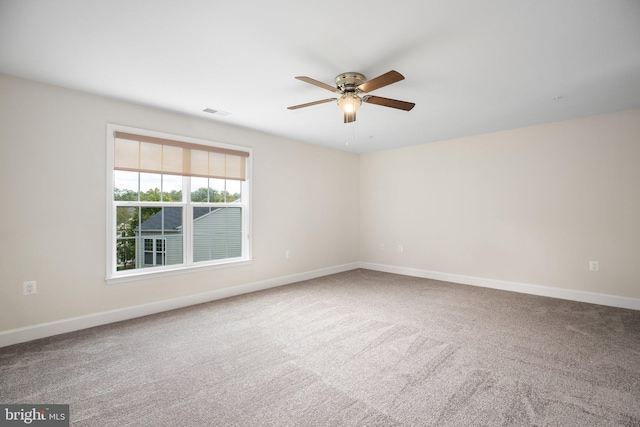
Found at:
(114, 276)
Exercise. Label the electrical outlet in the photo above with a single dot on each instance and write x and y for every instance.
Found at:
(29, 288)
(400, 248)
(287, 254)
(593, 266)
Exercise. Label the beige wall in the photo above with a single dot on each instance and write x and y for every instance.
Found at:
(52, 221)
(530, 206)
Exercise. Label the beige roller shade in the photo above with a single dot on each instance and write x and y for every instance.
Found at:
(141, 153)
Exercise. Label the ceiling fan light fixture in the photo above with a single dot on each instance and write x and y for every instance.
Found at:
(349, 102)
(350, 85)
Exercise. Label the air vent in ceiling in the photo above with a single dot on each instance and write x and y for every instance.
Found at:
(217, 112)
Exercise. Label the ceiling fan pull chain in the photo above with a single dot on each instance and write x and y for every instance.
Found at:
(353, 133)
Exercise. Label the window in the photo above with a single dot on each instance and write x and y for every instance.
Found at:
(174, 203)
(154, 252)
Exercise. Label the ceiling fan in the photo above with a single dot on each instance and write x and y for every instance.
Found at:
(350, 86)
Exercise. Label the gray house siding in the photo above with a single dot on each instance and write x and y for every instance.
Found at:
(218, 235)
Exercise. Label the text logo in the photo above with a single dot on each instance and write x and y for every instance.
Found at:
(34, 415)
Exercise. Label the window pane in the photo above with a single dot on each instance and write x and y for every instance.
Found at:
(216, 190)
(199, 189)
(148, 258)
(125, 253)
(159, 251)
(125, 218)
(171, 244)
(173, 249)
(234, 232)
(150, 221)
(125, 186)
(126, 222)
(172, 220)
(171, 188)
(217, 233)
(150, 184)
(150, 225)
(234, 190)
(148, 252)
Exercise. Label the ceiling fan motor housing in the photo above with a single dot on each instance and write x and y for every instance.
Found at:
(349, 82)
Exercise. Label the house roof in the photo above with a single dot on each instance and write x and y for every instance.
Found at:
(172, 218)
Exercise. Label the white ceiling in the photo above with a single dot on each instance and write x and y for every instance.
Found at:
(471, 66)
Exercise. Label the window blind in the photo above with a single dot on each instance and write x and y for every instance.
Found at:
(139, 153)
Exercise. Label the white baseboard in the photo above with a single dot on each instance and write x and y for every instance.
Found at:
(43, 330)
(524, 288)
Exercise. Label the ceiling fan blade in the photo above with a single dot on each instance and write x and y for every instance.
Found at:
(317, 83)
(381, 81)
(386, 102)
(309, 104)
(350, 117)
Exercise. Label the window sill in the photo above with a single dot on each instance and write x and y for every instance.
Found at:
(144, 275)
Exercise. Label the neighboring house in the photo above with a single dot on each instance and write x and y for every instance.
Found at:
(216, 235)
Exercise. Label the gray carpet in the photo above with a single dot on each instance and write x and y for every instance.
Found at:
(360, 348)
